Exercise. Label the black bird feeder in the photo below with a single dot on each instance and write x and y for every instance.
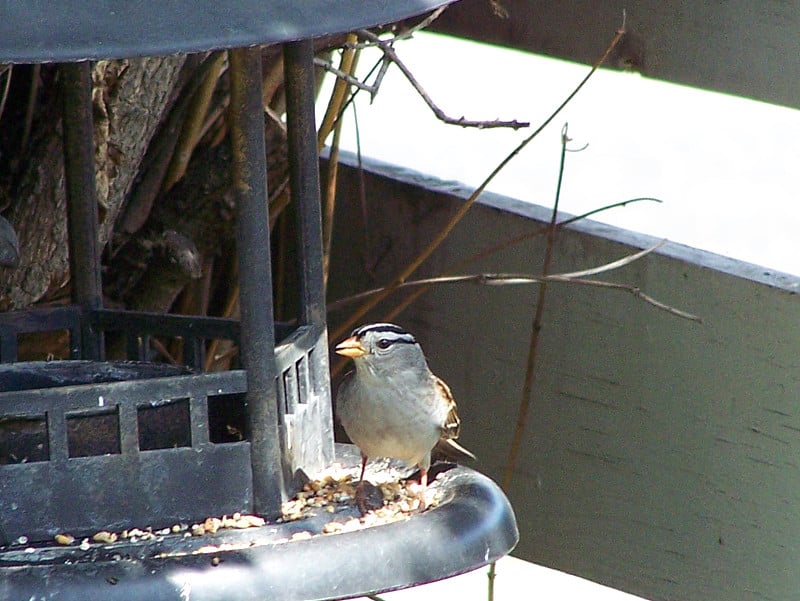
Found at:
(284, 388)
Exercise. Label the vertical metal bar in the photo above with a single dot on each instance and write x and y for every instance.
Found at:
(79, 172)
(57, 446)
(8, 347)
(135, 347)
(298, 60)
(255, 277)
(198, 420)
(128, 416)
(191, 348)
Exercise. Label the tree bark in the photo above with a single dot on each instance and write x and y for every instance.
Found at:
(130, 98)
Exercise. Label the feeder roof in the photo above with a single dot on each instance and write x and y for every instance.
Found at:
(36, 31)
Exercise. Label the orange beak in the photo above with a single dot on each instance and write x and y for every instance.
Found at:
(351, 347)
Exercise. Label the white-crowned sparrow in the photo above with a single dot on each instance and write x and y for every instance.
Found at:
(392, 405)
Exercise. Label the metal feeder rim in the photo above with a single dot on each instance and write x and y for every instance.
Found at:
(472, 526)
(37, 31)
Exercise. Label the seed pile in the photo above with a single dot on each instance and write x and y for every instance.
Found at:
(209, 526)
(334, 493)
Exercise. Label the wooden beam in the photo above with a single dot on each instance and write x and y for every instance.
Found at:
(748, 49)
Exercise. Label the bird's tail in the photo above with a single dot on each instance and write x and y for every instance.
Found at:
(447, 448)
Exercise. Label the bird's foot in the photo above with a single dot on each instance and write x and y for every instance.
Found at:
(368, 497)
(419, 491)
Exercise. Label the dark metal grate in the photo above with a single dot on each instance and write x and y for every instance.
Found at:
(79, 491)
(82, 453)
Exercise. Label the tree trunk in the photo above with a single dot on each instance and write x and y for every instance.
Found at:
(130, 99)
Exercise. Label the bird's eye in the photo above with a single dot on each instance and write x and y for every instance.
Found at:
(384, 343)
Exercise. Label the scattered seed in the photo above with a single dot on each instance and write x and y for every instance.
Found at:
(105, 537)
(332, 527)
(211, 525)
(64, 539)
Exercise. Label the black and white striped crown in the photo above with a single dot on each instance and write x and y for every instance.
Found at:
(393, 331)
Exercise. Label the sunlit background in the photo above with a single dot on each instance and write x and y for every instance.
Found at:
(724, 167)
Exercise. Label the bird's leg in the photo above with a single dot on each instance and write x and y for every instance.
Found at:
(419, 490)
(423, 487)
(364, 459)
(361, 497)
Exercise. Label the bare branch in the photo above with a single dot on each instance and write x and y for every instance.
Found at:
(634, 290)
(386, 47)
(353, 81)
(385, 62)
(8, 70)
(515, 279)
(616, 264)
(404, 35)
(445, 232)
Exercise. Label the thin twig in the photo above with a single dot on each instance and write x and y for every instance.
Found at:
(517, 279)
(543, 229)
(491, 575)
(345, 76)
(378, 66)
(403, 35)
(272, 81)
(31, 105)
(388, 51)
(616, 264)
(161, 348)
(445, 232)
(635, 291)
(333, 120)
(385, 62)
(276, 118)
(407, 33)
(329, 202)
(7, 71)
(339, 96)
(193, 122)
(278, 200)
(530, 368)
(411, 298)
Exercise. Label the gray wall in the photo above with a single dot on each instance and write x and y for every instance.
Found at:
(740, 47)
(662, 455)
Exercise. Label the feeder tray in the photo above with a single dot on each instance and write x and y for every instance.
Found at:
(472, 525)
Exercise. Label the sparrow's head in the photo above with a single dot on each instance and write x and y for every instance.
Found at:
(382, 345)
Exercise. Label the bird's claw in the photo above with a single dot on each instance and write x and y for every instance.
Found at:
(368, 497)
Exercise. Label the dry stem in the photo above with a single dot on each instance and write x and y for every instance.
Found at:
(8, 71)
(412, 267)
(193, 122)
(388, 51)
(516, 279)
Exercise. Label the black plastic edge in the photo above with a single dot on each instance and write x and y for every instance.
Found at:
(473, 526)
(37, 31)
